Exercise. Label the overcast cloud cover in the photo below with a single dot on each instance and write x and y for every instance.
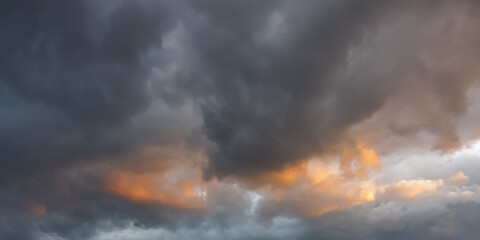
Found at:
(213, 119)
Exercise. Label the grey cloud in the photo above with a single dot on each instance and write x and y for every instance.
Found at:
(456, 221)
(65, 89)
(260, 85)
(267, 106)
(73, 91)
(332, 65)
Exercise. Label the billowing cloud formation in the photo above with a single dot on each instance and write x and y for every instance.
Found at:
(148, 119)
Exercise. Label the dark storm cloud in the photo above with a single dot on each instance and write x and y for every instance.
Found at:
(70, 71)
(86, 85)
(272, 104)
(50, 55)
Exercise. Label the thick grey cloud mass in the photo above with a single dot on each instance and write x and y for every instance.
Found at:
(272, 101)
(70, 72)
(88, 88)
(277, 103)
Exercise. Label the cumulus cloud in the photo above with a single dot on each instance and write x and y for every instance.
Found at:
(458, 178)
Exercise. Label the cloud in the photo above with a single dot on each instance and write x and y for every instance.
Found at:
(458, 178)
(274, 112)
(37, 209)
(410, 189)
(241, 120)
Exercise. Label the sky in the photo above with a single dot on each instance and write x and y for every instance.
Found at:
(244, 120)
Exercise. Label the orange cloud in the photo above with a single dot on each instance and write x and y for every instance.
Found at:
(285, 178)
(312, 188)
(458, 178)
(358, 161)
(324, 198)
(330, 190)
(168, 176)
(156, 188)
(407, 190)
(317, 187)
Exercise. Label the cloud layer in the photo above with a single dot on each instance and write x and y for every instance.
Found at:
(147, 119)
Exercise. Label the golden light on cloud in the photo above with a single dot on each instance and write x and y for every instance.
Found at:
(311, 188)
(458, 178)
(370, 158)
(409, 189)
(285, 178)
(317, 187)
(335, 193)
(358, 161)
(155, 188)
